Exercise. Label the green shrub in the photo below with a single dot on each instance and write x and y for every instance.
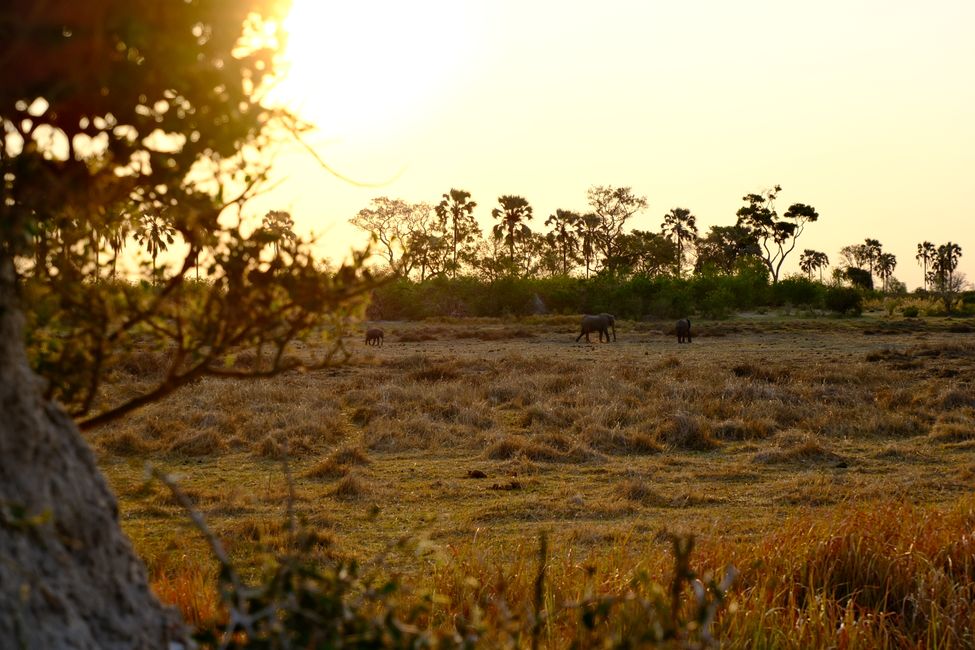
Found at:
(844, 300)
(910, 312)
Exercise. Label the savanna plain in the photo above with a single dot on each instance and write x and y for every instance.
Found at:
(830, 461)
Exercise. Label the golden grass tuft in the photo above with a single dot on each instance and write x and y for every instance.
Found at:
(338, 463)
(352, 487)
(797, 447)
(201, 443)
(945, 431)
(687, 432)
(640, 491)
(123, 443)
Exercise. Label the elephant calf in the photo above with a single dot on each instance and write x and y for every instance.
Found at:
(374, 336)
(684, 330)
(599, 323)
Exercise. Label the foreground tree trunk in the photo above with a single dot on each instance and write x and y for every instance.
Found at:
(68, 576)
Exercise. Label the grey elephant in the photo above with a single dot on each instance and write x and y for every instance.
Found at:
(684, 330)
(374, 336)
(599, 323)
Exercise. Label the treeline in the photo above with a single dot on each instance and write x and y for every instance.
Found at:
(421, 241)
(635, 297)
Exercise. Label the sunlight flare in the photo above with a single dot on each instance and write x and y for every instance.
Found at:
(368, 67)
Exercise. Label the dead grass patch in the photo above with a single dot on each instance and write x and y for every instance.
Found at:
(952, 431)
(123, 443)
(352, 487)
(339, 463)
(797, 447)
(202, 443)
(687, 432)
(744, 429)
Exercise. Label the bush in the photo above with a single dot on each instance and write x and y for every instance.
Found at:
(844, 300)
(910, 312)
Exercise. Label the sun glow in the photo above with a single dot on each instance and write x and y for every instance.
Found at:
(369, 66)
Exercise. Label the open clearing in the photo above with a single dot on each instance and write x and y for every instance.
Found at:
(480, 434)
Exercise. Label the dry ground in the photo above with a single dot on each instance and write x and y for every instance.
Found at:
(479, 434)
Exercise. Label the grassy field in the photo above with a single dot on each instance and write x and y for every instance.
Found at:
(830, 458)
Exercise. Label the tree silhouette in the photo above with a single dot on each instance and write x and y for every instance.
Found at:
(587, 228)
(614, 206)
(456, 212)
(776, 237)
(723, 246)
(279, 227)
(680, 226)
(811, 261)
(645, 253)
(872, 249)
(926, 254)
(564, 236)
(942, 274)
(156, 234)
(885, 265)
(511, 226)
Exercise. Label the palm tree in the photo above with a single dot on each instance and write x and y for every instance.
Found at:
(512, 215)
(588, 228)
(457, 210)
(873, 249)
(156, 234)
(564, 235)
(680, 226)
(886, 263)
(811, 260)
(926, 253)
(945, 263)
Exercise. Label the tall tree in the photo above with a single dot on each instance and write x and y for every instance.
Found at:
(680, 226)
(156, 233)
(564, 236)
(811, 260)
(855, 256)
(157, 107)
(614, 206)
(587, 228)
(873, 249)
(512, 216)
(456, 212)
(776, 237)
(926, 253)
(401, 228)
(945, 262)
(885, 265)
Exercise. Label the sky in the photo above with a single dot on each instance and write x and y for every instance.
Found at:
(864, 109)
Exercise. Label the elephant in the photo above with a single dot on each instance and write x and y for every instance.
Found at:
(599, 323)
(684, 330)
(374, 336)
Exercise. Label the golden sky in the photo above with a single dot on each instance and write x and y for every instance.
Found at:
(863, 109)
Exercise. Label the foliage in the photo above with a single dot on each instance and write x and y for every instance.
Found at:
(456, 214)
(612, 207)
(776, 237)
(636, 296)
(680, 227)
(844, 300)
(150, 122)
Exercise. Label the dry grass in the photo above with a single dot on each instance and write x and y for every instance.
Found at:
(755, 424)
